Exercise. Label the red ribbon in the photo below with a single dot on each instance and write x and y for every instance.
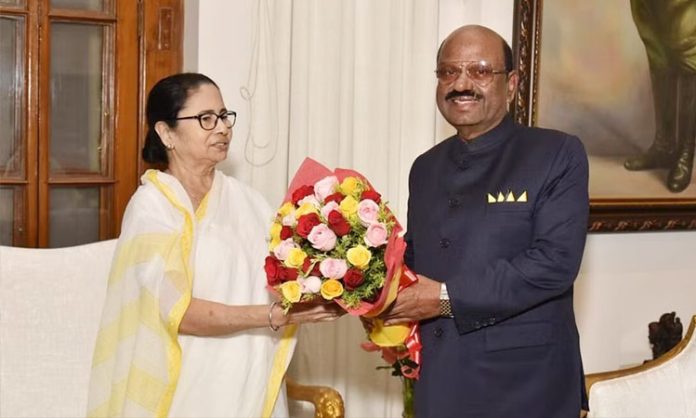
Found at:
(413, 342)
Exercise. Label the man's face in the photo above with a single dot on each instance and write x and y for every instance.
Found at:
(472, 108)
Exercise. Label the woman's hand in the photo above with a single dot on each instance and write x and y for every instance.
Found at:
(301, 313)
(208, 318)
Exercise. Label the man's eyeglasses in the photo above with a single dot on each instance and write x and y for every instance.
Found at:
(480, 72)
(209, 120)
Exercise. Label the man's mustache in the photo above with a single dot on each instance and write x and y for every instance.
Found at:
(466, 93)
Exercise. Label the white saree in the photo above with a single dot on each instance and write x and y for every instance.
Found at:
(167, 254)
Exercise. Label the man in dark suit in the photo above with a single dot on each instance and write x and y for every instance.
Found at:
(497, 219)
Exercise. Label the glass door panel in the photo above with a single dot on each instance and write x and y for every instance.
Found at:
(6, 215)
(74, 215)
(12, 215)
(12, 105)
(95, 5)
(77, 98)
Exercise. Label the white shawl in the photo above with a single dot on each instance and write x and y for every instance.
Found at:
(166, 254)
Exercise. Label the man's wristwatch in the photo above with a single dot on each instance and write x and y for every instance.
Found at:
(445, 305)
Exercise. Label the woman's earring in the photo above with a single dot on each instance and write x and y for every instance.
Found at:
(169, 146)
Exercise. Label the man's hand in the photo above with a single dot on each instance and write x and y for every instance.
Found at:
(419, 301)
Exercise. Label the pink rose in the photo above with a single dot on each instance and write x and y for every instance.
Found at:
(322, 238)
(376, 235)
(328, 208)
(282, 249)
(368, 212)
(311, 199)
(310, 284)
(289, 220)
(325, 187)
(333, 268)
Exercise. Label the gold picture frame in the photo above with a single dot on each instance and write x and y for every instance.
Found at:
(608, 213)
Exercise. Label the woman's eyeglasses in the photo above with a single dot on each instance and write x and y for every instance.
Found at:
(209, 120)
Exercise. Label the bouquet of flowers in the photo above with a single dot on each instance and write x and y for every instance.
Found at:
(335, 239)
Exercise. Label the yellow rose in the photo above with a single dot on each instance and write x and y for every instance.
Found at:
(295, 258)
(275, 231)
(331, 288)
(359, 256)
(274, 243)
(286, 209)
(351, 186)
(348, 206)
(305, 209)
(292, 291)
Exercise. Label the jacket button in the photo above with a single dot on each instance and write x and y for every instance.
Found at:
(453, 202)
(444, 243)
(438, 332)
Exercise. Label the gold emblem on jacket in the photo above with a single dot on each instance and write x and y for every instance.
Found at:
(508, 197)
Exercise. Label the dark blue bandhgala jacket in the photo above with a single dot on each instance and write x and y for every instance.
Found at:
(501, 219)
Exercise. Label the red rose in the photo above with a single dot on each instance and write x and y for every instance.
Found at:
(306, 223)
(306, 267)
(285, 232)
(301, 193)
(336, 197)
(273, 270)
(372, 195)
(307, 264)
(338, 223)
(288, 274)
(353, 279)
(372, 298)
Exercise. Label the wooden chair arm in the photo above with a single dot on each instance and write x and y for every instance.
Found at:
(327, 401)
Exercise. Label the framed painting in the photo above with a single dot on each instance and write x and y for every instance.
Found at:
(609, 72)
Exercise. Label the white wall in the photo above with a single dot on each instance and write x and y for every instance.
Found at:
(626, 280)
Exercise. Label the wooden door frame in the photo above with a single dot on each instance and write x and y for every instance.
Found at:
(160, 38)
(126, 129)
(161, 52)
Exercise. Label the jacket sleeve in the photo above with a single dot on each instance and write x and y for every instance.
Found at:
(408, 237)
(548, 267)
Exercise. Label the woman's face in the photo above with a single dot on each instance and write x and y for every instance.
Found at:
(193, 145)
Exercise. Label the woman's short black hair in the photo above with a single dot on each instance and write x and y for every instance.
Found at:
(165, 100)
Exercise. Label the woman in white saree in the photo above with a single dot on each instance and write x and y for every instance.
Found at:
(188, 327)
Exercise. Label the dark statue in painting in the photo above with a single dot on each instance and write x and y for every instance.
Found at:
(668, 30)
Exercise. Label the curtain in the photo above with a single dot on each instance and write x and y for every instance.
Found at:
(350, 84)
